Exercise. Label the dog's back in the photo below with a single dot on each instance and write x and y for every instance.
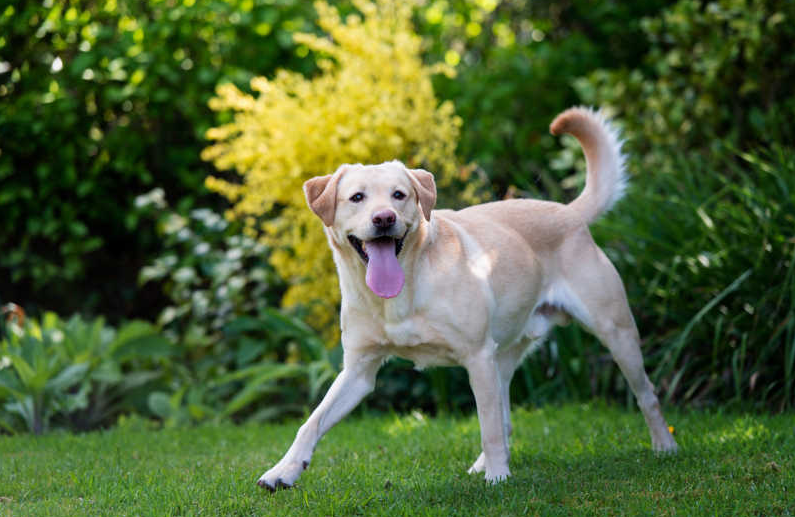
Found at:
(544, 225)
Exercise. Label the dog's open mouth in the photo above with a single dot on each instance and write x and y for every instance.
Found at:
(384, 274)
(358, 245)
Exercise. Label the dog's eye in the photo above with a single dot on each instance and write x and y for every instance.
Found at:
(357, 197)
(398, 195)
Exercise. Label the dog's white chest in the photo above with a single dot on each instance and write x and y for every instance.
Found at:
(410, 339)
(415, 338)
(401, 323)
(403, 333)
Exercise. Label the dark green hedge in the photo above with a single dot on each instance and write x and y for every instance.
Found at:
(100, 102)
(508, 94)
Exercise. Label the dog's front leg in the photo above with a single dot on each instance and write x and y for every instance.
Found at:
(356, 380)
(485, 382)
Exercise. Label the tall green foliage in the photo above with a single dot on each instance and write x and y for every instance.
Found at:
(710, 266)
(100, 101)
(706, 231)
(81, 375)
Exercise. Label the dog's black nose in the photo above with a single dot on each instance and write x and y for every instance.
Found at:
(384, 219)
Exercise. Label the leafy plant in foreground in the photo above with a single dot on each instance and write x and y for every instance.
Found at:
(75, 373)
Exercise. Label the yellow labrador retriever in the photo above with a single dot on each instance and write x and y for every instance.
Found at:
(475, 287)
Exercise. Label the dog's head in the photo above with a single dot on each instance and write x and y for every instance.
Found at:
(374, 209)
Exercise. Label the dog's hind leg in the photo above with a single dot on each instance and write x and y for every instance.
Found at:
(624, 345)
(600, 303)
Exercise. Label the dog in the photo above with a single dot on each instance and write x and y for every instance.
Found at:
(478, 287)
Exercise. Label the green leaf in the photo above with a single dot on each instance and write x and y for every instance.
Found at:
(258, 370)
(68, 377)
(26, 374)
(24, 408)
(108, 372)
(152, 346)
(9, 385)
(242, 324)
(159, 404)
(136, 379)
(255, 386)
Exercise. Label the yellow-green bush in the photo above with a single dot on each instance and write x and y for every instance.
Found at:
(372, 101)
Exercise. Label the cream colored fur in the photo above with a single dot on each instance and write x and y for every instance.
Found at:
(482, 286)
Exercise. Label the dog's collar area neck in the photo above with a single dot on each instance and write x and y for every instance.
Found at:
(358, 245)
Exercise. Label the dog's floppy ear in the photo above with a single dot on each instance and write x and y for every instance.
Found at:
(321, 195)
(425, 187)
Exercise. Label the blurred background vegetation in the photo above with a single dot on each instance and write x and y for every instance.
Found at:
(144, 301)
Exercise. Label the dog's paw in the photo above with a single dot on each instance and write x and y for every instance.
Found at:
(665, 445)
(494, 476)
(272, 485)
(662, 441)
(283, 475)
(479, 465)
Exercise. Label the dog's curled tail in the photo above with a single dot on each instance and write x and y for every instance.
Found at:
(606, 179)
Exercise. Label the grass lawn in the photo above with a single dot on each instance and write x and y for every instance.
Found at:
(568, 459)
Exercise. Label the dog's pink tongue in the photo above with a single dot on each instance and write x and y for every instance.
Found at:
(384, 274)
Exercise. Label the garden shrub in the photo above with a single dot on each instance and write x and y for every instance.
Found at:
(99, 102)
(371, 102)
(222, 351)
(82, 375)
(268, 366)
(716, 78)
(209, 271)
